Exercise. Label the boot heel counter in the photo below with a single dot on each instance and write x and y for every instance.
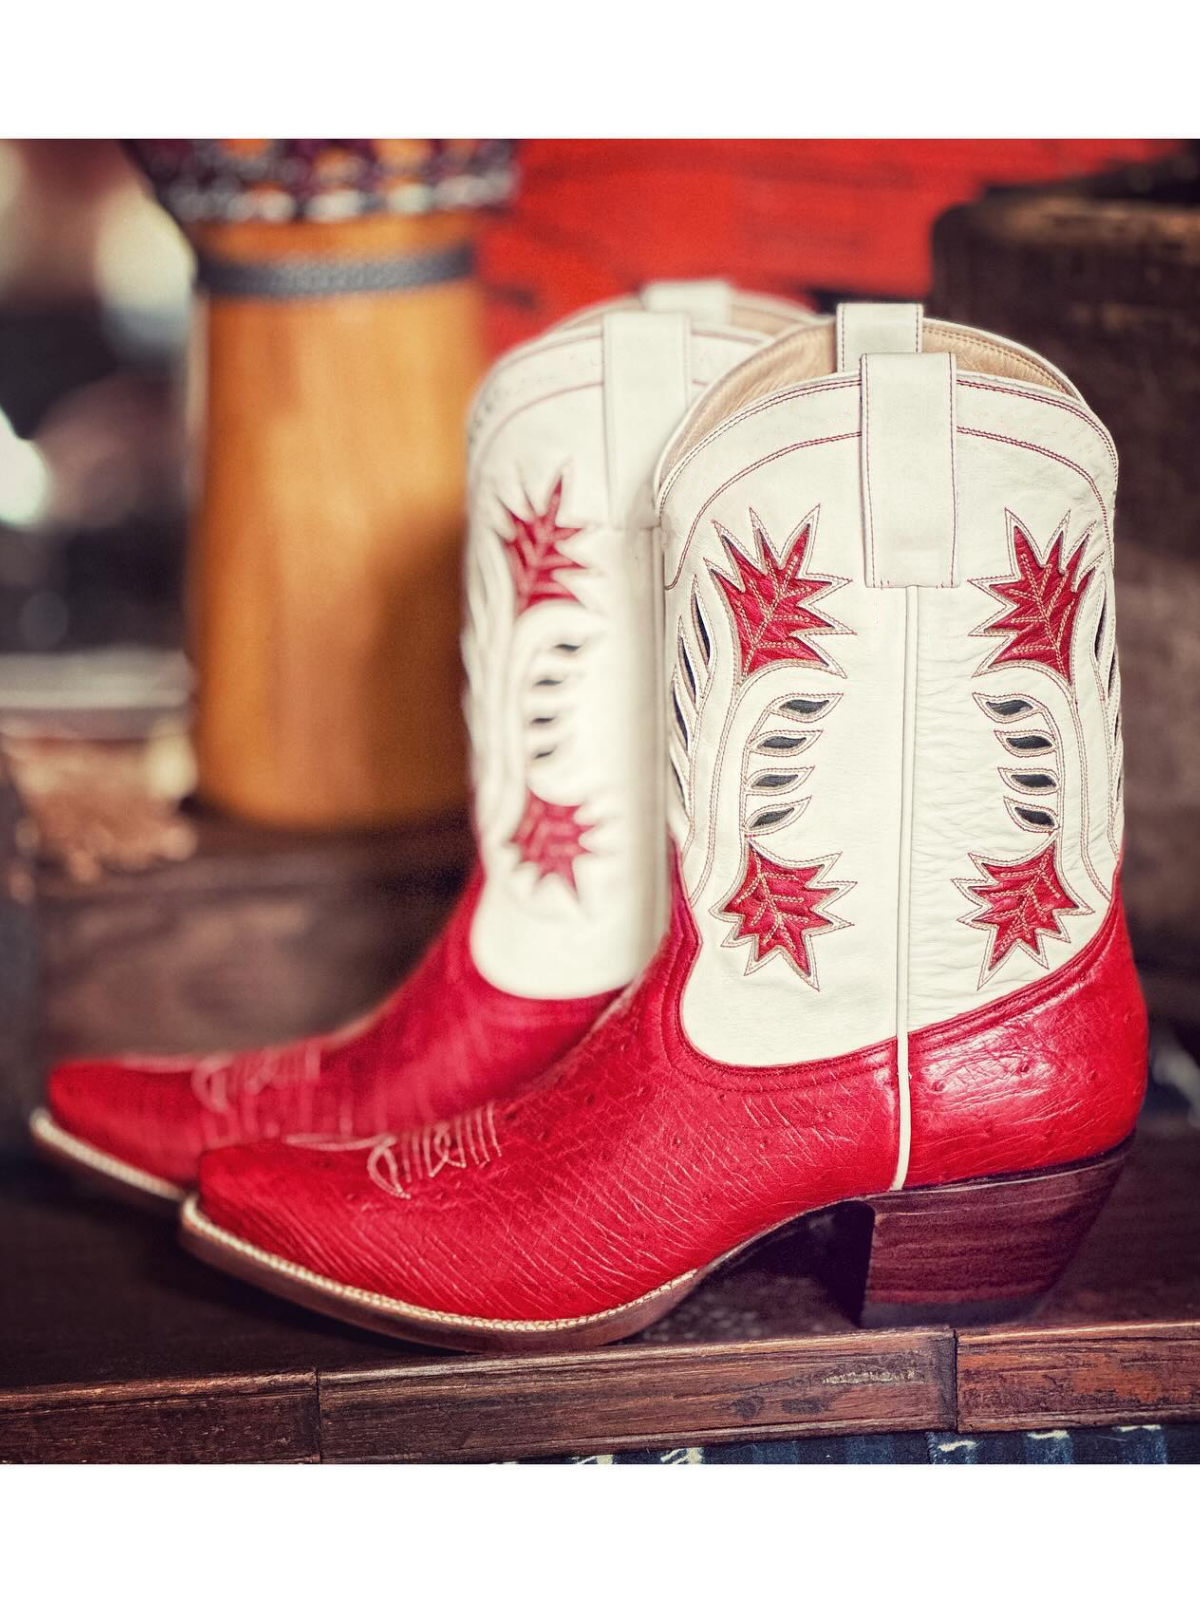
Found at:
(1050, 1074)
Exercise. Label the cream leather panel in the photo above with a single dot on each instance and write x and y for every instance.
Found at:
(1029, 457)
(810, 352)
(909, 449)
(564, 705)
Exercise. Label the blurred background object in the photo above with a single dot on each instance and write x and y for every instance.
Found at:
(95, 297)
(340, 339)
(821, 219)
(94, 289)
(1102, 275)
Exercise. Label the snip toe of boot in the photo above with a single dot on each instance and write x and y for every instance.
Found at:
(241, 1189)
(117, 1110)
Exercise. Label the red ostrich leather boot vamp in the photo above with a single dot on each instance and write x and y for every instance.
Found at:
(633, 1161)
(638, 1159)
(1050, 1074)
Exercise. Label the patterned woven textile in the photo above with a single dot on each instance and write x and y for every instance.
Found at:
(1148, 1445)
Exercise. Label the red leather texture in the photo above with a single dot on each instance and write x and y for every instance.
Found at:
(1053, 1073)
(443, 1041)
(634, 1160)
(637, 1158)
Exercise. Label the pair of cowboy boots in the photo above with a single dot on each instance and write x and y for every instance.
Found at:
(883, 966)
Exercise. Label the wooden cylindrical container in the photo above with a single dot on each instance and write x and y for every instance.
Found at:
(340, 342)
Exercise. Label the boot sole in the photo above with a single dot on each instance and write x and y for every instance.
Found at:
(1020, 1233)
(102, 1171)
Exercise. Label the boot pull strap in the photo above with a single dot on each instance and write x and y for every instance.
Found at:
(647, 388)
(703, 299)
(909, 489)
(871, 328)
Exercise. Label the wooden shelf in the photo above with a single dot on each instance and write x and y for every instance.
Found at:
(117, 1346)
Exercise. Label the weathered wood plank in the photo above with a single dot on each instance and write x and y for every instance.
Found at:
(616, 1399)
(266, 1418)
(1086, 1376)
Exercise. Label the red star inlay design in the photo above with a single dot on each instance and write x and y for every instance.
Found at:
(1020, 903)
(550, 836)
(771, 602)
(1042, 601)
(781, 908)
(535, 554)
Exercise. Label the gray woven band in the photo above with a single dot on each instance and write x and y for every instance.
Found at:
(312, 277)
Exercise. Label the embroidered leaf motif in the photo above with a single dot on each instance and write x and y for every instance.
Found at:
(535, 554)
(1043, 603)
(549, 837)
(779, 908)
(1020, 903)
(770, 602)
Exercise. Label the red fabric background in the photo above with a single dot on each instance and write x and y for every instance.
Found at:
(807, 217)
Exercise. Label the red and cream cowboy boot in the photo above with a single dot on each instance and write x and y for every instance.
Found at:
(896, 971)
(568, 898)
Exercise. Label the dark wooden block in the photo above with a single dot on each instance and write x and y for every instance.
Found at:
(208, 1420)
(1090, 1376)
(262, 936)
(663, 1395)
